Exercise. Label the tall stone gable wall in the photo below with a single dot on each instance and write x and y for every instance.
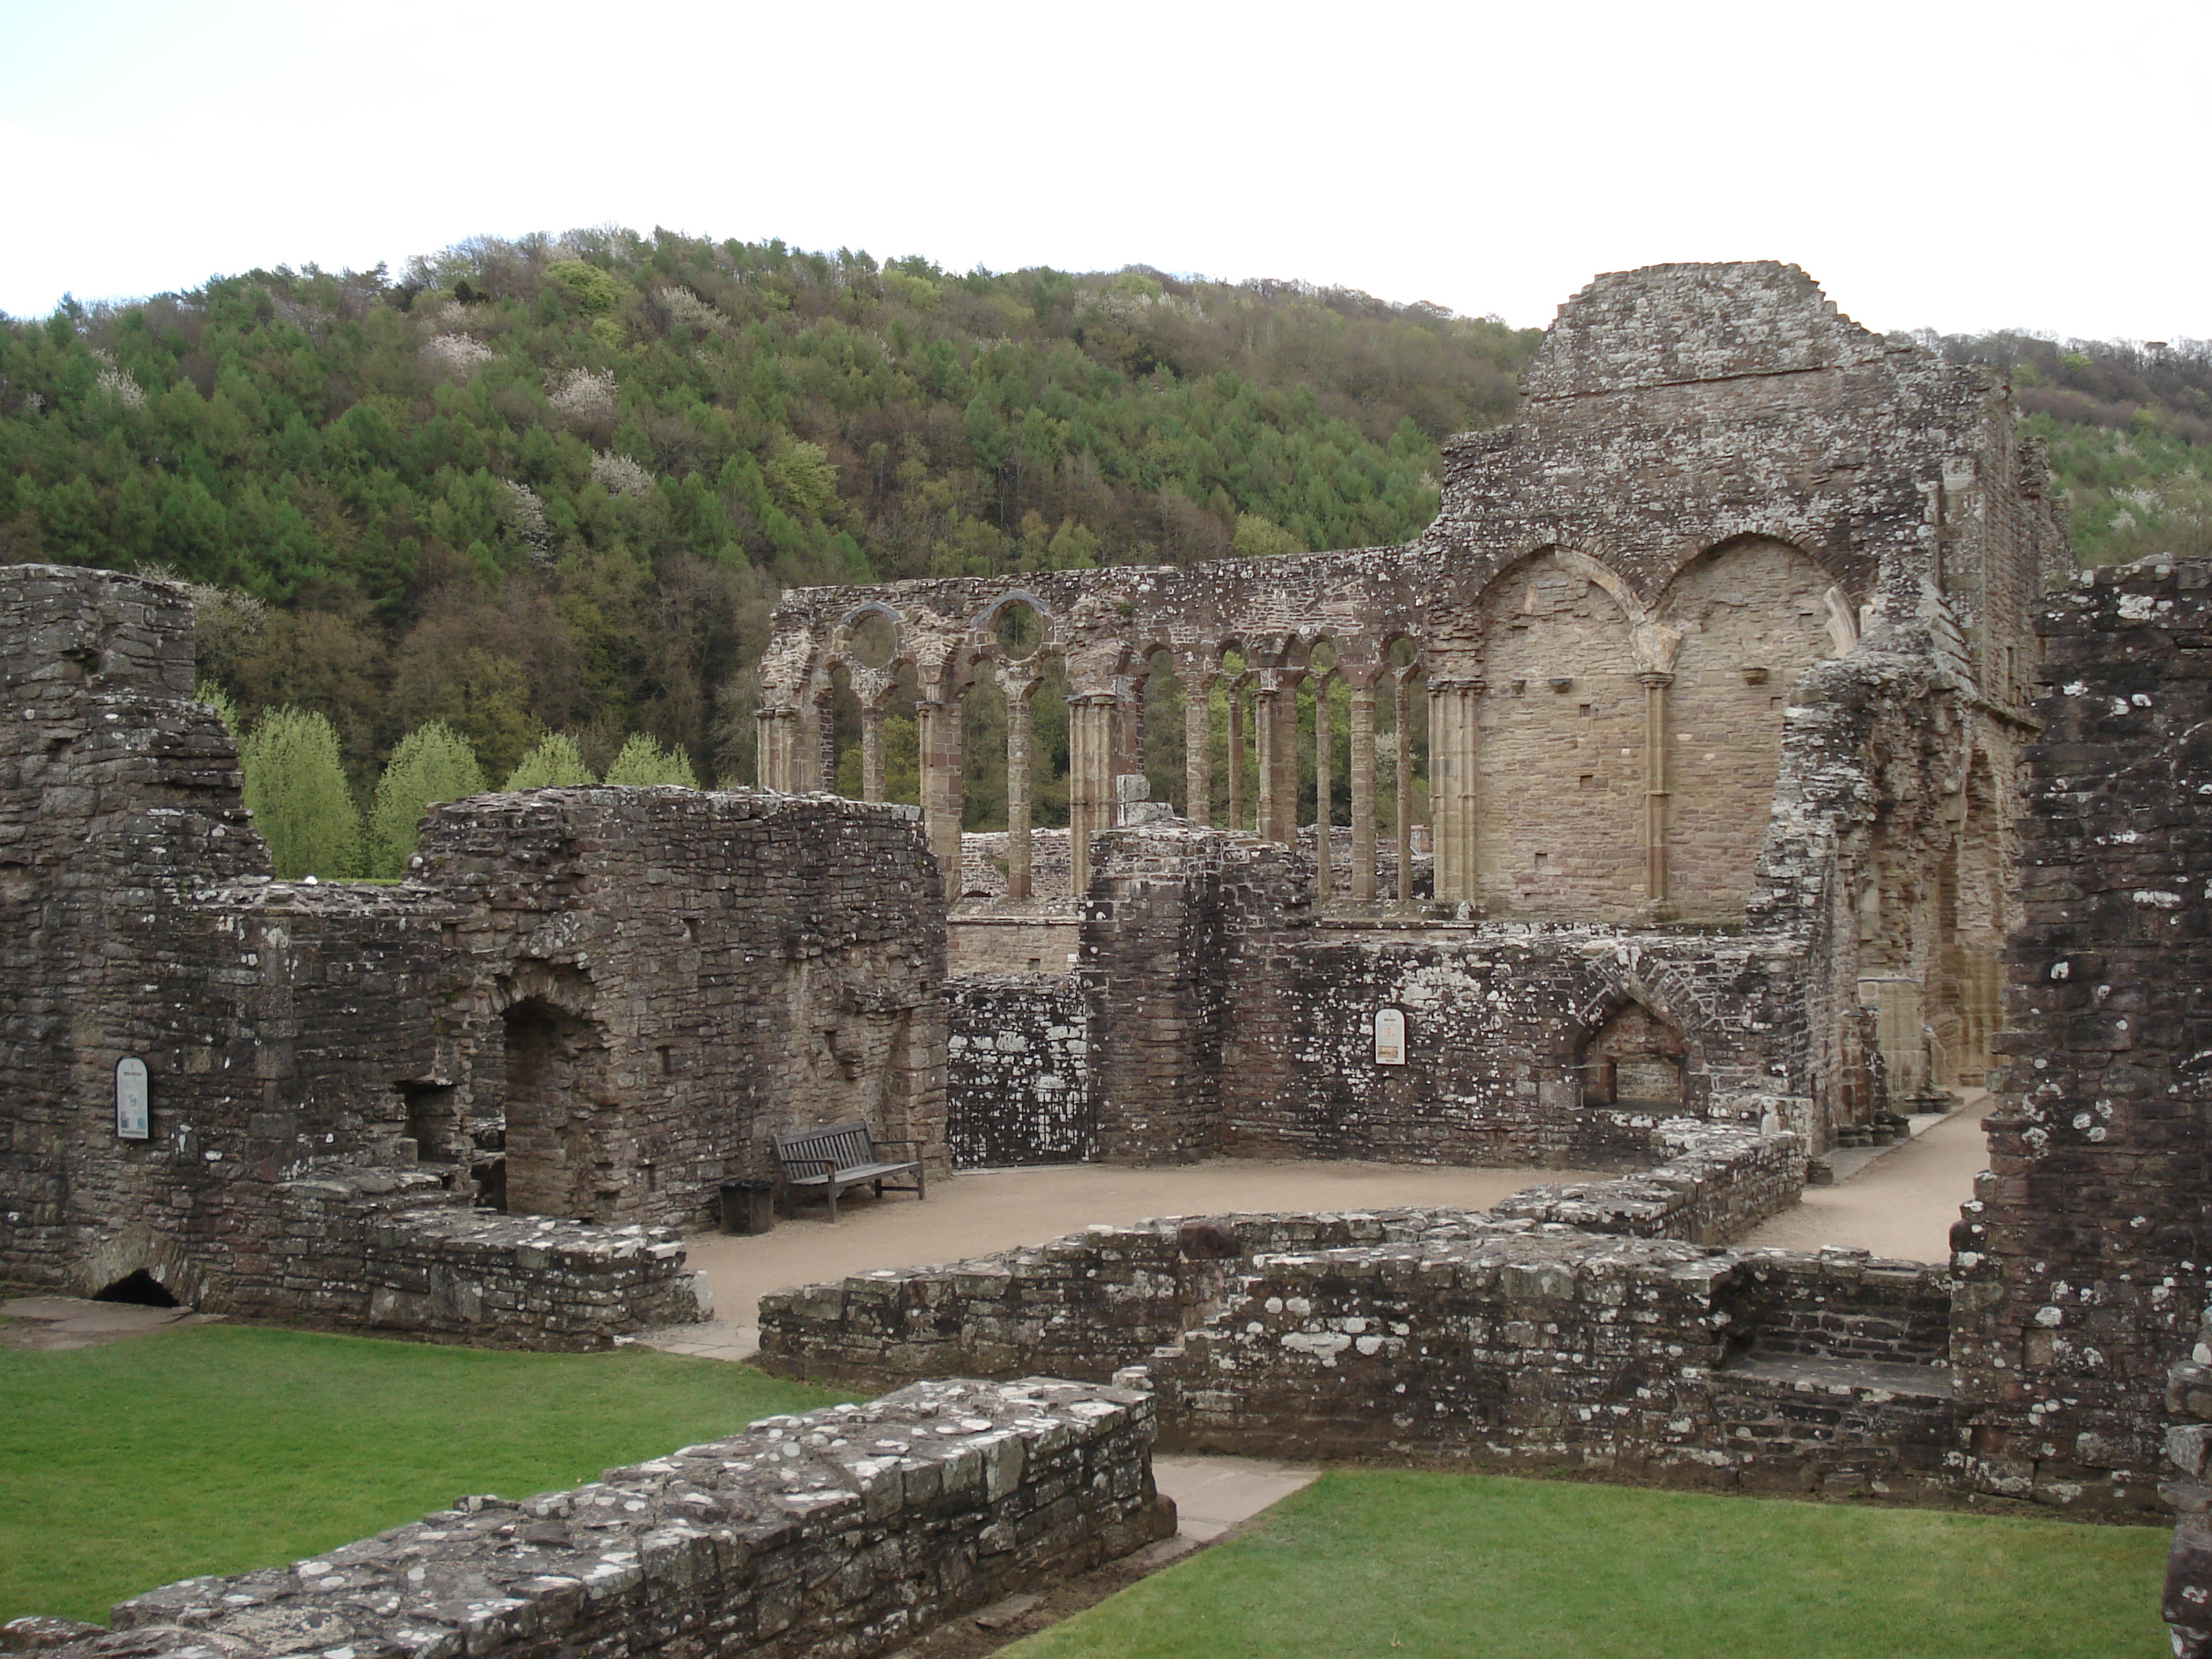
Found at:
(2083, 1256)
(711, 967)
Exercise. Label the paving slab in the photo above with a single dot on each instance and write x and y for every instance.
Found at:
(1213, 1494)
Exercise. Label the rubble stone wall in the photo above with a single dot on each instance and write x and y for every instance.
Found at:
(1552, 1349)
(635, 987)
(1018, 1073)
(853, 1529)
(2083, 1256)
(1090, 1302)
(1443, 1334)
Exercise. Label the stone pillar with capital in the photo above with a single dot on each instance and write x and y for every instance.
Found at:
(872, 752)
(1198, 747)
(1363, 789)
(1089, 778)
(1324, 763)
(1655, 686)
(1234, 688)
(1267, 740)
(1021, 727)
(937, 733)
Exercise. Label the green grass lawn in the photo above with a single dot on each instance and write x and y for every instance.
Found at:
(1446, 1565)
(224, 1448)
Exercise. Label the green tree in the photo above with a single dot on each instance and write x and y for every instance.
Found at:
(643, 761)
(554, 764)
(432, 763)
(297, 792)
(213, 696)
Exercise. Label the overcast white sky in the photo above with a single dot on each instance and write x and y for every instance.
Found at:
(1955, 165)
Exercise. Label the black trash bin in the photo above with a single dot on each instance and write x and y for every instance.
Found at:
(748, 1206)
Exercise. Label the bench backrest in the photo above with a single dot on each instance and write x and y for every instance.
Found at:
(843, 1145)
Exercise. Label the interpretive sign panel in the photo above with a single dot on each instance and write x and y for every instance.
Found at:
(1389, 1036)
(132, 1122)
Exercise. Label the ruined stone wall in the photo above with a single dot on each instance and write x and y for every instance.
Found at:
(853, 1529)
(1718, 1181)
(638, 986)
(1018, 1073)
(1561, 1350)
(1087, 1304)
(1726, 630)
(1007, 936)
(1498, 1020)
(1443, 1335)
(2083, 1256)
(983, 866)
(731, 965)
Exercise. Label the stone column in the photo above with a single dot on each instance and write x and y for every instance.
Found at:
(1451, 785)
(1020, 733)
(1090, 778)
(872, 753)
(824, 746)
(1129, 726)
(1266, 741)
(1363, 790)
(1235, 691)
(937, 732)
(768, 771)
(1198, 748)
(1324, 760)
(1402, 691)
(1655, 792)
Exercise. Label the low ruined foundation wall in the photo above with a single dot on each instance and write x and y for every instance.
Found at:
(1548, 1349)
(1088, 1303)
(387, 1250)
(848, 1530)
(1083, 1306)
(1017, 1073)
(1721, 1182)
(1443, 1335)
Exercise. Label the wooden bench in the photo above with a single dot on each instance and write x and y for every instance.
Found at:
(843, 1156)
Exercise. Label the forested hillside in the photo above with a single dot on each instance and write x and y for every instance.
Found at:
(557, 485)
(554, 486)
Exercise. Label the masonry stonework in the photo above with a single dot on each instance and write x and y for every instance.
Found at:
(1719, 653)
(2083, 1257)
(587, 1005)
(850, 1530)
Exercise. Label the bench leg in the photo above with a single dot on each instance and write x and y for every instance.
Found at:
(920, 1183)
(832, 1190)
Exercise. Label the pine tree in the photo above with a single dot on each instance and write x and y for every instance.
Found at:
(554, 764)
(297, 792)
(643, 761)
(432, 763)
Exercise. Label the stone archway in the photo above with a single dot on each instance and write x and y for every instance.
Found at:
(1637, 1062)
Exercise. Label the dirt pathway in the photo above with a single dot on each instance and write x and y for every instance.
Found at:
(1901, 1205)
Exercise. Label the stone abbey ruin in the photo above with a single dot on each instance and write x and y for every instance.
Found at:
(1775, 758)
